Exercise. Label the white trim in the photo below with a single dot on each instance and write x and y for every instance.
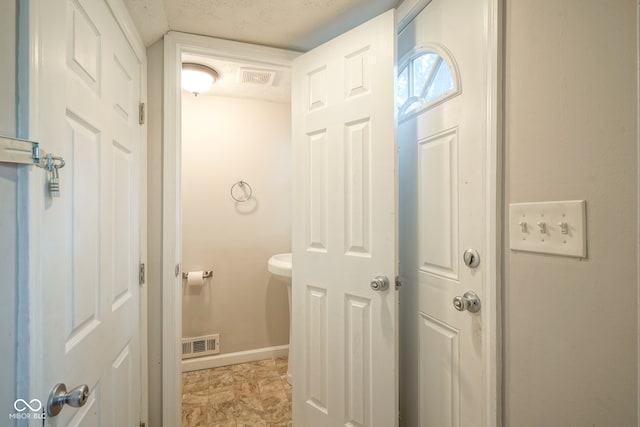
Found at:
(30, 207)
(218, 360)
(638, 207)
(171, 239)
(407, 10)
(144, 290)
(175, 44)
(492, 328)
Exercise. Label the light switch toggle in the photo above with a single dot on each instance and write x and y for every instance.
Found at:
(558, 227)
(542, 227)
(564, 227)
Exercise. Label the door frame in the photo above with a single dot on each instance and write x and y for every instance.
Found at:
(31, 198)
(175, 44)
(638, 205)
(494, 129)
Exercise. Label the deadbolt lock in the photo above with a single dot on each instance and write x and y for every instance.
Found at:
(471, 258)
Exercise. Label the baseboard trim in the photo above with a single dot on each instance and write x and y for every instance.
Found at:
(208, 362)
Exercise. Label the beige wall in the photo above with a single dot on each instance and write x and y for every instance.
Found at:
(155, 58)
(226, 140)
(570, 326)
(8, 209)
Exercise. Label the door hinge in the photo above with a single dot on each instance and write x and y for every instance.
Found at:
(141, 114)
(141, 274)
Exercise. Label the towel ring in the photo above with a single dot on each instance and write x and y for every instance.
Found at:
(246, 197)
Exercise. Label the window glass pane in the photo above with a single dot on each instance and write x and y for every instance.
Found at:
(402, 94)
(422, 66)
(441, 84)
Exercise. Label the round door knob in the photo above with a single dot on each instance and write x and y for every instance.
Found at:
(469, 301)
(59, 397)
(380, 283)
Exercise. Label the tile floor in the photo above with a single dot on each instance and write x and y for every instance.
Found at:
(252, 394)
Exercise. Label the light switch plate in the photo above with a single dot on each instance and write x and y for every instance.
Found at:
(558, 228)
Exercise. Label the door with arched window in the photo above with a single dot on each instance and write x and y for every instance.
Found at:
(442, 135)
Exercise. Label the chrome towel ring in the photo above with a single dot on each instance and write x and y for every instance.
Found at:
(241, 186)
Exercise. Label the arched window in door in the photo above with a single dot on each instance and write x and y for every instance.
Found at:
(428, 76)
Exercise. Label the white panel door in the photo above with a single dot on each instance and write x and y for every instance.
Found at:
(344, 333)
(442, 161)
(87, 95)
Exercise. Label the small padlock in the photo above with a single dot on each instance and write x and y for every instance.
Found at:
(54, 182)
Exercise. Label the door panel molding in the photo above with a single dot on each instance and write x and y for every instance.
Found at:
(438, 196)
(317, 360)
(439, 372)
(358, 374)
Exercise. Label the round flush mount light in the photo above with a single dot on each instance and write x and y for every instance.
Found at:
(197, 78)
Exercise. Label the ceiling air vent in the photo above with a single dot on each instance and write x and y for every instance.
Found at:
(257, 76)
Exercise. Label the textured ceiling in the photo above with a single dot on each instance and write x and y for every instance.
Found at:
(290, 24)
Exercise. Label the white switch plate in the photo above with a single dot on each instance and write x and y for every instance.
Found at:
(538, 227)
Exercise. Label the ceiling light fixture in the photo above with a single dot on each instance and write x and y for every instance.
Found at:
(198, 78)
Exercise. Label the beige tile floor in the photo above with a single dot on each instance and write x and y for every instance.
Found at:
(248, 394)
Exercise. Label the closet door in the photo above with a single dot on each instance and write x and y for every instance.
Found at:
(85, 248)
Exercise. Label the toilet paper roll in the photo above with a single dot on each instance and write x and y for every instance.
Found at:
(195, 278)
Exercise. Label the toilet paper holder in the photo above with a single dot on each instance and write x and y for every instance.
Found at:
(205, 274)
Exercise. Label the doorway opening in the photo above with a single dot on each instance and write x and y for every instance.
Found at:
(176, 45)
(236, 214)
(199, 132)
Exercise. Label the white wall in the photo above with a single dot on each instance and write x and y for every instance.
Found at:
(226, 140)
(571, 132)
(8, 208)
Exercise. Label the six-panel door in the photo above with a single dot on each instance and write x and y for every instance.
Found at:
(344, 332)
(87, 102)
